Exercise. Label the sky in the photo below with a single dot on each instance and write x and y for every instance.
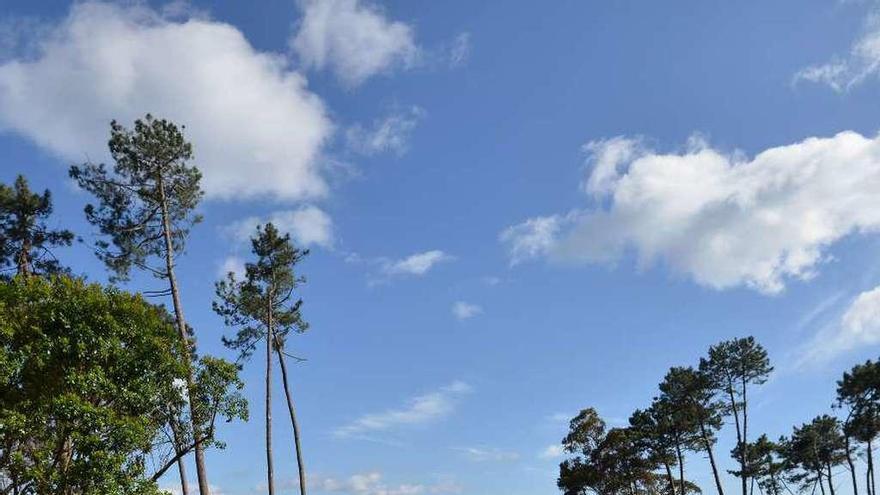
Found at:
(515, 210)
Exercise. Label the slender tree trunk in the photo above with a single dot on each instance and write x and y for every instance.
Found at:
(670, 478)
(819, 480)
(708, 445)
(872, 486)
(181, 465)
(852, 466)
(269, 334)
(745, 437)
(678, 454)
(201, 471)
(739, 435)
(296, 436)
(24, 261)
(830, 481)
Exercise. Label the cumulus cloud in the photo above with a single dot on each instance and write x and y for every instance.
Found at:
(417, 264)
(858, 326)
(419, 410)
(232, 264)
(307, 225)
(482, 454)
(463, 310)
(371, 483)
(353, 38)
(722, 219)
(389, 134)
(256, 127)
(862, 62)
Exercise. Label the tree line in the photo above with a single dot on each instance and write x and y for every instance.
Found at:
(647, 456)
(103, 391)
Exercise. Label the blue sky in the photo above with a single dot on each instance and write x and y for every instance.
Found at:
(515, 209)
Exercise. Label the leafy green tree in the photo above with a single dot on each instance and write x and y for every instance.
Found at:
(264, 306)
(146, 209)
(85, 372)
(26, 241)
(695, 408)
(733, 366)
(681, 427)
(655, 439)
(859, 392)
(766, 466)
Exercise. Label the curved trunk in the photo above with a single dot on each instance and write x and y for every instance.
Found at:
(669, 478)
(296, 436)
(681, 486)
(852, 466)
(708, 445)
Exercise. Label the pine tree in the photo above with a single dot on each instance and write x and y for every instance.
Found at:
(264, 306)
(26, 241)
(145, 208)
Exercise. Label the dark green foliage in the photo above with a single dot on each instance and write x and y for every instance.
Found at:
(813, 451)
(151, 174)
(267, 291)
(26, 241)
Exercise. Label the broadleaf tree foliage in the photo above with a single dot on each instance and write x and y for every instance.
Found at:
(265, 307)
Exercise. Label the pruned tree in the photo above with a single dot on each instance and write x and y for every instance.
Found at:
(26, 242)
(732, 367)
(859, 392)
(265, 307)
(145, 209)
(693, 400)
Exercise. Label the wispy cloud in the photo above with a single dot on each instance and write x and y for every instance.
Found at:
(370, 483)
(554, 451)
(463, 310)
(858, 326)
(483, 454)
(307, 225)
(843, 73)
(418, 410)
(417, 264)
(390, 134)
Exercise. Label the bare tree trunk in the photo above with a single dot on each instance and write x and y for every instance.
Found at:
(269, 335)
(872, 487)
(670, 478)
(201, 472)
(708, 445)
(24, 261)
(181, 466)
(745, 438)
(678, 454)
(852, 466)
(739, 435)
(819, 480)
(830, 481)
(296, 436)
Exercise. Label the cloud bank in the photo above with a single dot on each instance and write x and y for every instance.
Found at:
(724, 220)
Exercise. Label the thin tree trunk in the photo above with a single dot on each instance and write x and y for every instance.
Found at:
(872, 486)
(739, 436)
(24, 262)
(830, 481)
(819, 480)
(269, 334)
(296, 436)
(181, 466)
(201, 471)
(745, 437)
(852, 466)
(678, 454)
(708, 445)
(670, 478)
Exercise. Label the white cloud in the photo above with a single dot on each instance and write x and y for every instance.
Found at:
(554, 451)
(863, 62)
(354, 38)
(389, 134)
(858, 326)
(255, 126)
(418, 410)
(232, 264)
(460, 50)
(308, 225)
(371, 483)
(481, 454)
(722, 219)
(417, 264)
(463, 310)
